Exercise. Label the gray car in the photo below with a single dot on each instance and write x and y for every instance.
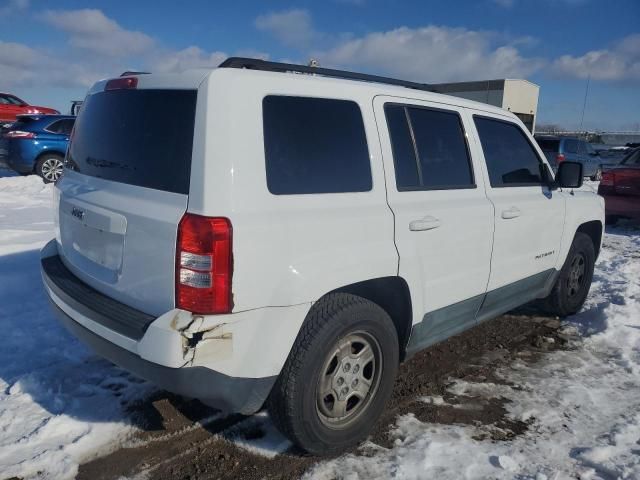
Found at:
(559, 149)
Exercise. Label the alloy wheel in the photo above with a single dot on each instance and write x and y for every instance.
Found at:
(52, 169)
(576, 274)
(349, 379)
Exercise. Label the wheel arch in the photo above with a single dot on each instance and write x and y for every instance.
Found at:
(594, 230)
(393, 296)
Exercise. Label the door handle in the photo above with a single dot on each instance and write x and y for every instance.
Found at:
(426, 223)
(512, 212)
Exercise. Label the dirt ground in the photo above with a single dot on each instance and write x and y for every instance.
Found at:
(183, 439)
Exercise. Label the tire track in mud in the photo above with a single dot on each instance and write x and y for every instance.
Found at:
(183, 439)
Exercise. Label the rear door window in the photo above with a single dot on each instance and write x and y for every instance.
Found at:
(314, 145)
(429, 148)
(138, 137)
(63, 127)
(511, 159)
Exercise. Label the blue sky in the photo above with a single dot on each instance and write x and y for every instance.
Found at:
(50, 53)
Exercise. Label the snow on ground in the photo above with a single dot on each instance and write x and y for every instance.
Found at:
(59, 404)
(584, 404)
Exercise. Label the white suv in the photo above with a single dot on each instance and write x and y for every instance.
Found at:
(264, 233)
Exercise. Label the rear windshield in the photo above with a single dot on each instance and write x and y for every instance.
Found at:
(139, 137)
(548, 145)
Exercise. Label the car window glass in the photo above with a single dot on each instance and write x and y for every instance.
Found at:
(54, 127)
(314, 145)
(404, 156)
(632, 159)
(4, 100)
(66, 126)
(511, 160)
(548, 144)
(441, 148)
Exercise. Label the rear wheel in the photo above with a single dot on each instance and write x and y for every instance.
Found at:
(338, 377)
(49, 167)
(574, 280)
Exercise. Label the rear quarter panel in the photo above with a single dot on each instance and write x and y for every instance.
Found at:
(288, 249)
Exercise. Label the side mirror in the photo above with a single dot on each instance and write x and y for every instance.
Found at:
(569, 175)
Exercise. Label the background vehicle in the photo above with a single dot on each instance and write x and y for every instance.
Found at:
(558, 149)
(620, 187)
(612, 157)
(12, 106)
(288, 239)
(37, 144)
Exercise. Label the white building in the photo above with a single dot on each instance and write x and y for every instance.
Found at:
(518, 96)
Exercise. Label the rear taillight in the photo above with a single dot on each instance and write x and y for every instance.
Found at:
(204, 264)
(123, 82)
(19, 134)
(560, 158)
(608, 179)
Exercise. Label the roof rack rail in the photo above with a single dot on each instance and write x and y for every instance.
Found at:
(264, 65)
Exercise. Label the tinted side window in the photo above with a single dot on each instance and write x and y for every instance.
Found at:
(429, 148)
(61, 126)
(511, 160)
(404, 156)
(314, 145)
(66, 126)
(442, 149)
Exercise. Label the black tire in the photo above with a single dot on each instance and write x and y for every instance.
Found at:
(46, 167)
(571, 288)
(296, 405)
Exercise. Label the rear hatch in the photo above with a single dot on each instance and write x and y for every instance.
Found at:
(124, 191)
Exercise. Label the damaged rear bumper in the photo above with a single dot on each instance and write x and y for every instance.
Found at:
(230, 394)
(227, 361)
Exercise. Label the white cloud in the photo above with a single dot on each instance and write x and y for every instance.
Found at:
(190, 57)
(92, 30)
(619, 63)
(291, 27)
(432, 54)
(22, 66)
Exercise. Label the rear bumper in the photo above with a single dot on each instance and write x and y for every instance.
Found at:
(231, 365)
(230, 394)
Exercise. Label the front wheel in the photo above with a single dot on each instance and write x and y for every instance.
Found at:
(49, 167)
(574, 280)
(338, 377)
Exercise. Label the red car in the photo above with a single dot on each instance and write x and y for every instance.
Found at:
(620, 188)
(11, 106)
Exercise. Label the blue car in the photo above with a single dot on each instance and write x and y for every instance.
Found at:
(36, 144)
(558, 149)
